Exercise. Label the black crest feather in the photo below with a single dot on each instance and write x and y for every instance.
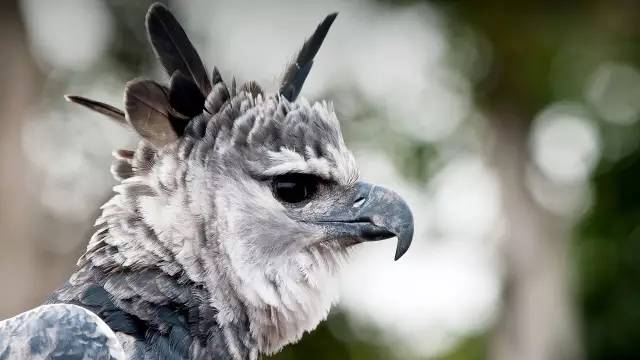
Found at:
(173, 48)
(147, 110)
(105, 109)
(185, 99)
(296, 73)
(215, 76)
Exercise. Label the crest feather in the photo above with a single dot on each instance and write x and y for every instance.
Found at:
(173, 47)
(105, 109)
(147, 110)
(185, 99)
(296, 73)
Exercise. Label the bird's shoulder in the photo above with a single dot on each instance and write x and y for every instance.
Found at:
(58, 331)
(151, 313)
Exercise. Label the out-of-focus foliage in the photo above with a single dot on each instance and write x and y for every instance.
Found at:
(335, 339)
(609, 263)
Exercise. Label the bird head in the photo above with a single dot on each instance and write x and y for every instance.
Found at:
(232, 184)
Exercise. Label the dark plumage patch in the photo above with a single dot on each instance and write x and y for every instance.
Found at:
(165, 314)
(185, 101)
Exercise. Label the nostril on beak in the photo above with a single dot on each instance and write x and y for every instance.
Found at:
(359, 201)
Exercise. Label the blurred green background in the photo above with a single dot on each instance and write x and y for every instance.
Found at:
(511, 127)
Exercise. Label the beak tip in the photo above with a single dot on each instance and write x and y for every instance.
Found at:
(404, 242)
(400, 251)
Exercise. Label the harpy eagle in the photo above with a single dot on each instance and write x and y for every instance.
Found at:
(228, 225)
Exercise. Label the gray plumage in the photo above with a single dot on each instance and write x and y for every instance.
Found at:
(60, 331)
(231, 218)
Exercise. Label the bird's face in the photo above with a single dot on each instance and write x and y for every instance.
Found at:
(288, 193)
(281, 200)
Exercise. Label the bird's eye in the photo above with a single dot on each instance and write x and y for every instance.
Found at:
(294, 188)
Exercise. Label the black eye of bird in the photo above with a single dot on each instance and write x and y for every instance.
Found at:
(294, 188)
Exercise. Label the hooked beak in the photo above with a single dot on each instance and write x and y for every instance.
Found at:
(372, 213)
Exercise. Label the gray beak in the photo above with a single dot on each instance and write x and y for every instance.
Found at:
(371, 213)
